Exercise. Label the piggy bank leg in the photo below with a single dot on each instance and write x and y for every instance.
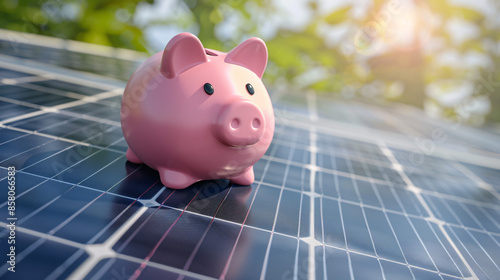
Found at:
(246, 178)
(176, 180)
(132, 157)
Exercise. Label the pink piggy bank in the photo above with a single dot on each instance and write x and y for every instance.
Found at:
(196, 114)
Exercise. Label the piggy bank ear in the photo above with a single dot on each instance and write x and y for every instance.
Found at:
(183, 52)
(251, 54)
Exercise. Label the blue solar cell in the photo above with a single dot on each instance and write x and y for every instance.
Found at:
(32, 96)
(215, 249)
(11, 74)
(287, 221)
(9, 135)
(364, 267)
(21, 145)
(263, 211)
(337, 264)
(67, 87)
(102, 111)
(43, 256)
(9, 110)
(281, 259)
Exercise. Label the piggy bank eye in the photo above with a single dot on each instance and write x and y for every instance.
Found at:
(209, 89)
(250, 89)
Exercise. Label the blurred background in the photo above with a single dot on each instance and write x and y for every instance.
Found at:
(439, 55)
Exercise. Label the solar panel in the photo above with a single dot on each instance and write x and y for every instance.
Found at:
(347, 190)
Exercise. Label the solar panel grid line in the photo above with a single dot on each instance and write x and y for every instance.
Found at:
(80, 210)
(72, 76)
(198, 245)
(296, 256)
(342, 226)
(407, 144)
(411, 141)
(98, 252)
(322, 169)
(22, 117)
(460, 223)
(365, 221)
(36, 147)
(431, 217)
(480, 182)
(107, 147)
(311, 102)
(28, 79)
(441, 243)
(228, 262)
(364, 217)
(27, 87)
(18, 102)
(66, 221)
(185, 211)
(351, 272)
(104, 250)
(41, 237)
(266, 256)
(56, 175)
(108, 244)
(83, 100)
(69, 94)
(136, 231)
(404, 128)
(392, 229)
(81, 116)
(151, 202)
(341, 211)
(440, 223)
(338, 153)
(16, 38)
(437, 221)
(457, 218)
(472, 257)
(44, 135)
(56, 273)
(48, 203)
(453, 196)
(46, 110)
(138, 261)
(384, 211)
(474, 217)
(409, 266)
(488, 215)
(88, 99)
(145, 262)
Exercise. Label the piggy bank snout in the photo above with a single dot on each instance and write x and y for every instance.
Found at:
(240, 123)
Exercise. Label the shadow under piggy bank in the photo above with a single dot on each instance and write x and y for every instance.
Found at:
(208, 198)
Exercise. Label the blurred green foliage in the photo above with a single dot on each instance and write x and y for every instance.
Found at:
(367, 60)
(100, 22)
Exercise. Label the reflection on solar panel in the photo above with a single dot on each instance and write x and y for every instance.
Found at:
(346, 191)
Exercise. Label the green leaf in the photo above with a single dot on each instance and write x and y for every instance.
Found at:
(338, 16)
